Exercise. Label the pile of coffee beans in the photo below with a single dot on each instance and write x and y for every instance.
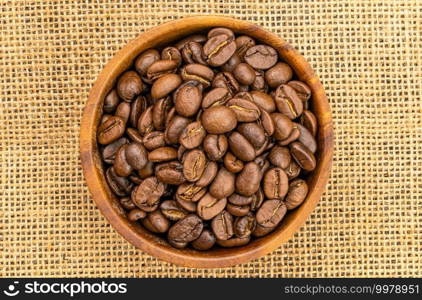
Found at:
(207, 142)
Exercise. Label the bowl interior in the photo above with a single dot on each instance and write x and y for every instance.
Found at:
(108, 203)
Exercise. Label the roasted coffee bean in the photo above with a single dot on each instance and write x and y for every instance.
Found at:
(198, 72)
(240, 147)
(231, 64)
(254, 133)
(280, 157)
(234, 242)
(192, 53)
(267, 122)
(170, 173)
(262, 162)
(218, 119)
(181, 152)
(162, 154)
(276, 183)
(199, 38)
(160, 223)
(226, 80)
(293, 170)
(243, 43)
(171, 53)
(223, 184)
(136, 156)
(172, 210)
(123, 111)
(240, 200)
(248, 180)
(294, 135)
(194, 163)
(104, 118)
(217, 96)
(111, 130)
(147, 195)
(310, 122)
(306, 138)
(303, 156)
(136, 214)
(111, 101)
(244, 74)
(263, 100)
(129, 86)
(121, 166)
(127, 203)
(259, 84)
(262, 231)
(257, 200)
(232, 163)
(237, 211)
(175, 128)
(218, 49)
(209, 206)
(134, 135)
(146, 171)
(215, 146)
(136, 109)
(287, 101)
(145, 60)
(220, 30)
(121, 186)
(154, 140)
(186, 230)
(283, 126)
(187, 99)
(165, 85)
(298, 189)
(159, 69)
(187, 205)
(281, 73)
(205, 241)
(271, 213)
(261, 57)
(145, 124)
(222, 226)
(135, 178)
(177, 245)
(244, 226)
(245, 110)
(208, 175)
(109, 151)
(190, 192)
(192, 135)
(159, 112)
(302, 90)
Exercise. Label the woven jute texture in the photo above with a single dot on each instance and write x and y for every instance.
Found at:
(369, 58)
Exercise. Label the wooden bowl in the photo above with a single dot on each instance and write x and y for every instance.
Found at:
(108, 203)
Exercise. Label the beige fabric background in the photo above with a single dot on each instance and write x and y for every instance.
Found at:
(368, 55)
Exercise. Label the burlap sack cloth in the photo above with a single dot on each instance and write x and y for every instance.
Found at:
(369, 58)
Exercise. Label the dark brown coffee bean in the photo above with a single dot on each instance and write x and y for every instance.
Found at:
(298, 189)
(208, 175)
(136, 156)
(262, 162)
(127, 203)
(263, 100)
(121, 186)
(146, 171)
(262, 231)
(205, 241)
(215, 146)
(165, 85)
(261, 57)
(240, 200)
(192, 135)
(218, 49)
(159, 69)
(129, 86)
(111, 130)
(181, 152)
(253, 132)
(303, 156)
(309, 120)
(244, 226)
(293, 170)
(257, 200)
(280, 73)
(190, 192)
(136, 109)
(104, 118)
(222, 226)
(245, 110)
(232, 163)
(231, 63)
(287, 101)
(192, 53)
(171, 53)
(302, 90)
(244, 74)
(111, 101)
(172, 210)
(187, 205)
(276, 183)
(219, 119)
(109, 151)
(147, 195)
(194, 164)
(136, 214)
(220, 30)
(240, 147)
(247, 182)
(267, 122)
(121, 166)
(271, 213)
(160, 111)
(306, 138)
(175, 128)
(177, 245)
(145, 124)
(283, 126)
(186, 230)
(170, 173)
(134, 135)
(198, 72)
(123, 111)
(234, 242)
(199, 38)
(135, 179)
(243, 43)
(157, 222)
(217, 96)
(209, 206)
(280, 157)
(294, 135)
(226, 80)
(223, 184)
(237, 211)
(145, 60)
(162, 154)
(259, 84)
(188, 99)
(154, 140)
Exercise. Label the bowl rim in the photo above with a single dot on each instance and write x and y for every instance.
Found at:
(135, 234)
